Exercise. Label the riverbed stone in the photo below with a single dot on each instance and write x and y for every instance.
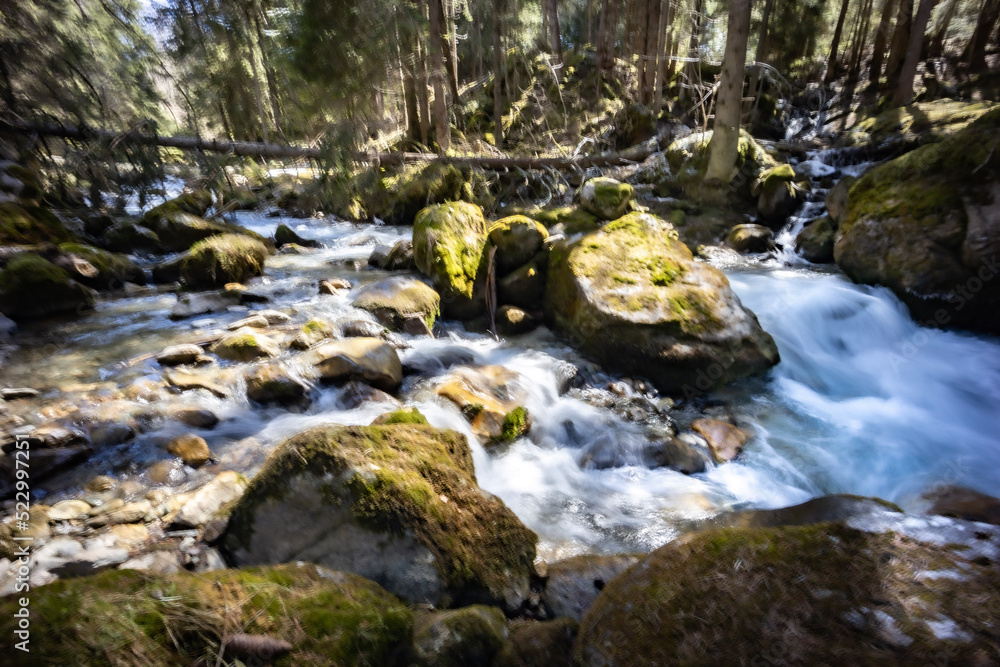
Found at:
(631, 296)
(397, 504)
(961, 503)
(448, 241)
(275, 384)
(190, 448)
(572, 584)
(222, 259)
(777, 198)
(189, 305)
(68, 509)
(400, 257)
(751, 238)
(285, 235)
(176, 355)
(112, 270)
(185, 381)
(312, 333)
(605, 198)
(725, 441)
(487, 395)
(131, 238)
(32, 287)
(368, 359)
(473, 635)
(245, 345)
(816, 241)
(334, 286)
(517, 240)
(685, 455)
(224, 488)
(392, 300)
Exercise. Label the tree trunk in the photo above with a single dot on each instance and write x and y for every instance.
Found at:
(555, 41)
(666, 19)
(604, 26)
(409, 58)
(904, 90)
(642, 27)
(442, 130)
(423, 99)
(861, 41)
(975, 52)
(941, 32)
(590, 22)
(693, 52)
(450, 71)
(831, 64)
(654, 36)
(761, 53)
(272, 84)
(497, 77)
(724, 145)
(900, 42)
(881, 40)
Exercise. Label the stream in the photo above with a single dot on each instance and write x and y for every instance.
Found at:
(864, 400)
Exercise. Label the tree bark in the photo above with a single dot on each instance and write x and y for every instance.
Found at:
(695, 40)
(724, 145)
(881, 40)
(904, 90)
(831, 65)
(651, 52)
(900, 42)
(761, 53)
(423, 99)
(442, 130)
(941, 33)
(604, 26)
(666, 20)
(450, 65)
(497, 77)
(860, 42)
(409, 58)
(975, 52)
(555, 41)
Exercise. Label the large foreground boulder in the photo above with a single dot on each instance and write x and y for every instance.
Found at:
(448, 241)
(32, 287)
(227, 258)
(398, 504)
(927, 226)
(632, 296)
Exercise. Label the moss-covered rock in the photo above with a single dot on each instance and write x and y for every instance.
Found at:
(32, 287)
(403, 416)
(836, 198)
(227, 258)
(113, 270)
(925, 122)
(416, 187)
(475, 635)
(751, 238)
(486, 395)
(517, 239)
(544, 643)
(777, 195)
(29, 225)
(129, 617)
(245, 345)
(681, 171)
(398, 504)
(179, 231)
(632, 296)
(572, 584)
(854, 597)
(525, 286)
(285, 235)
(605, 198)
(393, 299)
(815, 241)
(312, 333)
(574, 219)
(927, 226)
(448, 241)
(400, 257)
(132, 238)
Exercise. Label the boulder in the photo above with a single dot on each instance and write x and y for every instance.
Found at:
(448, 241)
(953, 501)
(274, 384)
(312, 333)
(245, 345)
(777, 195)
(24, 224)
(400, 257)
(605, 198)
(474, 635)
(223, 259)
(631, 296)
(204, 503)
(836, 198)
(751, 238)
(927, 226)
(176, 355)
(491, 398)
(393, 299)
(725, 441)
(32, 287)
(380, 256)
(370, 360)
(517, 240)
(524, 287)
(191, 449)
(132, 238)
(396, 504)
(572, 585)
(112, 270)
(815, 242)
(683, 454)
(681, 171)
(284, 235)
(512, 321)
(546, 643)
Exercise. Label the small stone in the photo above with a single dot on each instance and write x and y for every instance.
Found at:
(129, 513)
(254, 322)
(176, 355)
(725, 441)
(154, 562)
(68, 509)
(356, 394)
(191, 449)
(334, 285)
(273, 383)
(415, 325)
(197, 417)
(99, 484)
(189, 381)
(165, 472)
(54, 437)
(379, 257)
(129, 536)
(274, 316)
(109, 434)
(91, 561)
(209, 499)
(109, 506)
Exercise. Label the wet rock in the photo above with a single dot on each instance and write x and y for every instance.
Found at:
(197, 417)
(109, 434)
(777, 199)
(725, 441)
(244, 294)
(751, 238)
(525, 287)
(379, 257)
(632, 296)
(356, 394)
(512, 321)
(31, 287)
(400, 258)
(68, 509)
(284, 235)
(166, 472)
(392, 300)
(439, 540)
(818, 510)
(517, 240)
(605, 198)
(836, 198)
(127, 513)
(99, 484)
(334, 286)
(109, 506)
(474, 635)
(191, 449)
(312, 333)
(7, 326)
(245, 345)
(175, 355)
(185, 381)
(53, 437)
(962, 503)
(487, 395)
(16, 393)
(111, 270)
(128, 535)
(275, 384)
(363, 329)
(434, 360)
(91, 561)
(189, 305)
(448, 241)
(153, 562)
(209, 499)
(544, 643)
(252, 322)
(683, 454)
(131, 238)
(367, 359)
(815, 243)
(415, 324)
(273, 317)
(573, 584)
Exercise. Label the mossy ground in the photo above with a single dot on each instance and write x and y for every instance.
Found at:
(411, 416)
(928, 121)
(128, 618)
(31, 286)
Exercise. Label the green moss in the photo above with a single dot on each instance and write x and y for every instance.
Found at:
(227, 258)
(113, 269)
(391, 300)
(29, 225)
(473, 635)
(932, 121)
(574, 218)
(317, 328)
(515, 424)
(411, 416)
(448, 241)
(31, 286)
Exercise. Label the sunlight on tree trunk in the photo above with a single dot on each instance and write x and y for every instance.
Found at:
(904, 90)
(724, 146)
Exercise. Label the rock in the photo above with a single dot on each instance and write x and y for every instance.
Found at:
(245, 345)
(299, 613)
(573, 584)
(68, 509)
(707, 589)
(189, 305)
(474, 635)
(751, 238)
(927, 226)
(605, 198)
(91, 561)
(680, 454)
(512, 321)
(777, 199)
(127, 513)
(396, 504)
(131, 238)
(545, 643)
(368, 359)
(355, 394)
(176, 355)
(632, 297)
(24, 224)
(379, 257)
(818, 510)
(400, 258)
(252, 322)
(191, 449)
(517, 240)
(815, 242)
(209, 499)
(525, 287)
(274, 384)
(393, 299)
(223, 259)
(7, 326)
(110, 433)
(954, 501)
(99, 484)
(725, 441)
(313, 332)
(190, 381)
(31, 287)
(284, 235)
(111, 270)
(363, 329)
(486, 395)
(273, 317)
(153, 562)
(334, 286)
(681, 172)
(17, 393)
(55, 437)
(128, 536)
(836, 198)
(448, 241)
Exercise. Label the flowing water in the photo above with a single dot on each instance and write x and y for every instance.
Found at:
(864, 400)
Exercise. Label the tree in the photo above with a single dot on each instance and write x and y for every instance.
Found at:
(724, 145)
(497, 75)
(881, 41)
(441, 127)
(904, 89)
(975, 51)
(900, 42)
(831, 65)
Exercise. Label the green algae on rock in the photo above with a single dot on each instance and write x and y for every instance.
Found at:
(392, 299)
(517, 239)
(222, 259)
(448, 241)
(32, 287)
(398, 504)
(631, 296)
(605, 198)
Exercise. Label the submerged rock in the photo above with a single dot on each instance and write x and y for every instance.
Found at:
(274, 383)
(397, 504)
(487, 395)
(284, 235)
(392, 300)
(32, 287)
(191, 449)
(245, 345)
(632, 296)
(725, 441)
(448, 241)
(605, 198)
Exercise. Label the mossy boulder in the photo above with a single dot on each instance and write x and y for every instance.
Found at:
(605, 198)
(285, 235)
(777, 195)
(227, 258)
(544, 643)
(179, 231)
(132, 238)
(836, 198)
(32, 287)
(245, 345)
(312, 333)
(487, 395)
(448, 241)
(815, 241)
(574, 219)
(406, 193)
(751, 238)
(29, 225)
(927, 226)
(398, 504)
(402, 416)
(127, 617)
(400, 257)
(517, 239)
(859, 596)
(474, 635)
(681, 171)
(631, 296)
(393, 299)
(924, 122)
(113, 269)
(525, 286)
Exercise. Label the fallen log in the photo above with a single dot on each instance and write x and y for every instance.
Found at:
(271, 150)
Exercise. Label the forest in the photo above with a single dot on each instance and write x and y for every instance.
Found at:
(499, 332)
